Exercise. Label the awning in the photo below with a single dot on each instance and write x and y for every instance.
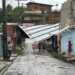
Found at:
(41, 32)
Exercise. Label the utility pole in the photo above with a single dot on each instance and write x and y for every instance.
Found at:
(18, 3)
(4, 28)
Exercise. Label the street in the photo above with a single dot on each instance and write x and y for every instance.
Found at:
(23, 25)
(33, 64)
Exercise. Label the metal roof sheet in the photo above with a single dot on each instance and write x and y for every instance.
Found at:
(40, 32)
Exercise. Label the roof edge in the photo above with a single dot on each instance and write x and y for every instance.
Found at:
(38, 3)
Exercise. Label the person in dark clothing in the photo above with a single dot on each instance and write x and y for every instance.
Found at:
(39, 46)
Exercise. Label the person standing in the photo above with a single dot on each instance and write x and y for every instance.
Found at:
(9, 49)
(69, 49)
(39, 46)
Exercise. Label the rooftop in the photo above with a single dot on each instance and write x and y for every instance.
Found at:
(39, 3)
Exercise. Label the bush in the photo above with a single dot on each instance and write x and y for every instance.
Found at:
(18, 52)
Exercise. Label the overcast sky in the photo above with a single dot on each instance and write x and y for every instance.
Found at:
(52, 2)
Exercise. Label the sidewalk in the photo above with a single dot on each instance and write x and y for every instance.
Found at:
(4, 64)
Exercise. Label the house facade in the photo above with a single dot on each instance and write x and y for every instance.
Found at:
(32, 6)
(46, 15)
(54, 17)
(35, 17)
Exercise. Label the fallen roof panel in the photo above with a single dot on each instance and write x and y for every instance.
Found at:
(41, 32)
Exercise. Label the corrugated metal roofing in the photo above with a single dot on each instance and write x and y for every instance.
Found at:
(40, 32)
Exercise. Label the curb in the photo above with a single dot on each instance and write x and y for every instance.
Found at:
(2, 71)
(3, 68)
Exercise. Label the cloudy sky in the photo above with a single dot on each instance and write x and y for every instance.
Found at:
(52, 2)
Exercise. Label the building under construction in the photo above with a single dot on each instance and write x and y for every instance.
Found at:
(68, 13)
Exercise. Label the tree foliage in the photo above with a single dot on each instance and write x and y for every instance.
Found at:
(9, 9)
(13, 14)
(17, 13)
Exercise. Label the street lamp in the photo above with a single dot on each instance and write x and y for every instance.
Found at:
(4, 29)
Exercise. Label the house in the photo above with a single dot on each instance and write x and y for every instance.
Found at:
(33, 6)
(68, 25)
(44, 14)
(54, 17)
(36, 17)
(65, 37)
(68, 13)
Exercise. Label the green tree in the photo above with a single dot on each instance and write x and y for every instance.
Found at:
(18, 13)
(9, 11)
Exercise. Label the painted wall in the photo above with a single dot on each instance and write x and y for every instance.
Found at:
(66, 36)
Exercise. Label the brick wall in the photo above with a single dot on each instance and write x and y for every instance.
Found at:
(10, 33)
(37, 6)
